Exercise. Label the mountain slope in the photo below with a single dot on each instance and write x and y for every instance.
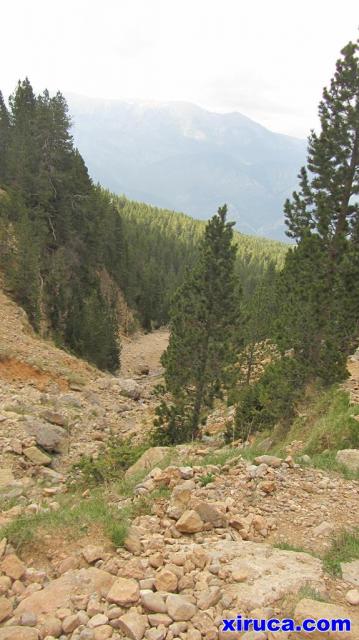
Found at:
(180, 156)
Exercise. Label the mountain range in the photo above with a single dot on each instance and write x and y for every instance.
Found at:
(185, 158)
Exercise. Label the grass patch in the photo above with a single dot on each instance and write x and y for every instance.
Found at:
(326, 421)
(74, 378)
(206, 479)
(8, 503)
(115, 457)
(125, 486)
(345, 548)
(286, 546)
(249, 453)
(75, 517)
(326, 461)
(219, 457)
(309, 592)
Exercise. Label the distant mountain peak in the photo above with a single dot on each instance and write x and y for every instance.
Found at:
(181, 156)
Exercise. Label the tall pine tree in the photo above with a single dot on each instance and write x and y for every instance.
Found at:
(4, 139)
(323, 217)
(204, 334)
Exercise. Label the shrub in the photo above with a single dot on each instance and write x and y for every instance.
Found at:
(270, 400)
(113, 460)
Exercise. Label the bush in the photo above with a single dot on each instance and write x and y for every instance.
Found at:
(113, 460)
(270, 400)
(172, 425)
(345, 548)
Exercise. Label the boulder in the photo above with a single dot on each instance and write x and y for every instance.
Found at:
(129, 388)
(271, 461)
(157, 619)
(58, 593)
(13, 567)
(352, 597)
(124, 592)
(166, 580)
(19, 633)
(210, 513)
(133, 542)
(6, 476)
(50, 437)
(54, 418)
(153, 602)
(209, 598)
(50, 626)
(308, 608)
(179, 608)
(91, 553)
(190, 522)
(148, 460)
(350, 572)
(5, 609)
(266, 575)
(133, 625)
(180, 498)
(349, 458)
(323, 529)
(36, 456)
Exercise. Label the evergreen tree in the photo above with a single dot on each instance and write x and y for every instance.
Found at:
(4, 138)
(204, 332)
(323, 217)
(258, 314)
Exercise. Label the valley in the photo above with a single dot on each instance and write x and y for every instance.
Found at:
(204, 531)
(179, 401)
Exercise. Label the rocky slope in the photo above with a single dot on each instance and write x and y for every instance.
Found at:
(212, 535)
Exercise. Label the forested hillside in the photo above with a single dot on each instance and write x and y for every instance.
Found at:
(70, 251)
(161, 246)
(61, 240)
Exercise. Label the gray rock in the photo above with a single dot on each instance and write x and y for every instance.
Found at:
(50, 437)
(349, 458)
(350, 572)
(148, 460)
(129, 388)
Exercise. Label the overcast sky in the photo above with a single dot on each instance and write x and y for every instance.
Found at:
(268, 59)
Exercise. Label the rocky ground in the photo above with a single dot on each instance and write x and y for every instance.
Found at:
(222, 536)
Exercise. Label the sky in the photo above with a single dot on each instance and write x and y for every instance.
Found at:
(268, 59)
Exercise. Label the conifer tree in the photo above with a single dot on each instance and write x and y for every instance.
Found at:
(4, 138)
(204, 333)
(323, 217)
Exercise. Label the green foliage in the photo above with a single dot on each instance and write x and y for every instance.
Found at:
(270, 400)
(204, 333)
(161, 245)
(75, 517)
(172, 424)
(327, 461)
(206, 479)
(61, 239)
(286, 546)
(318, 301)
(345, 548)
(116, 456)
(309, 592)
(332, 425)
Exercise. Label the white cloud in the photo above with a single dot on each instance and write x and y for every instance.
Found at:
(268, 60)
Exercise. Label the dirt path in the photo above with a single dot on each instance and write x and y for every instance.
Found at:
(143, 349)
